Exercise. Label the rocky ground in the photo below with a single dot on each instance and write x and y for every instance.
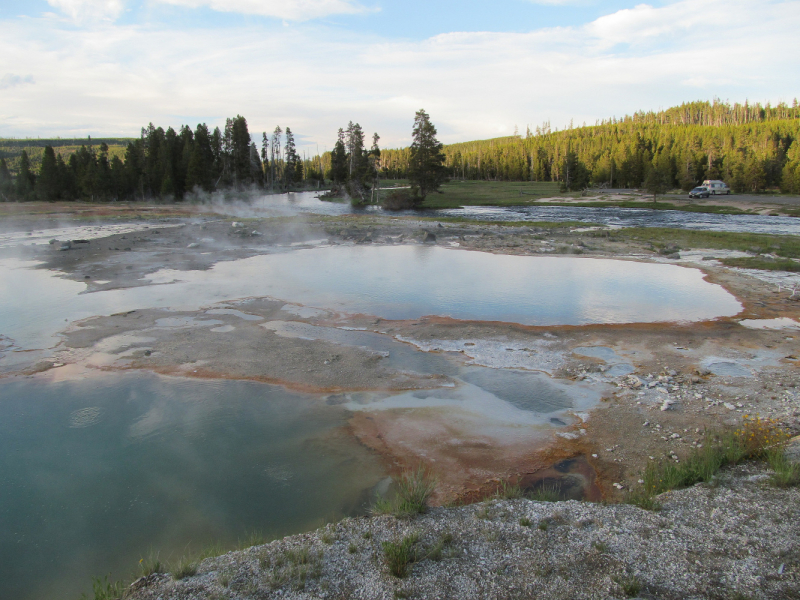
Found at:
(735, 538)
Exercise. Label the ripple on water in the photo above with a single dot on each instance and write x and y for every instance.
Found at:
(85, 417)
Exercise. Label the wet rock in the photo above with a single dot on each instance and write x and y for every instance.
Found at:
(430, 238)
(193, 245)
(65, 246)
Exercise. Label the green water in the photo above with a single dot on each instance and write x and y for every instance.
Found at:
(97, 472)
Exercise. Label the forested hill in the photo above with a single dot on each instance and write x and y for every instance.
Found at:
(751, 147)
(11, 148)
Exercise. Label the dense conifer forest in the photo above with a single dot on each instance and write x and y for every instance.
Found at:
(751, 147)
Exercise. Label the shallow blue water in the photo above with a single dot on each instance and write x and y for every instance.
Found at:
(630, 217)
(307, 202)
(393, 282)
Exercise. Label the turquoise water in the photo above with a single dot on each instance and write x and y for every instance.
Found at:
(96, 472)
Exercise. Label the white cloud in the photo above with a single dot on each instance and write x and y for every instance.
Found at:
(114, 79)
(290, 10)
(82, 10)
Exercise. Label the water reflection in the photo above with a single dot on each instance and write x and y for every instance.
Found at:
(394, 282)
(96, 472)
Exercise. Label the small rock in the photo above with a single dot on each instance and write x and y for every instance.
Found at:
(193, 245)
(728, 405)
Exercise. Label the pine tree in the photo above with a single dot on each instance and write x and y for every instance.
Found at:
(48, 185)
(575, 175)
(240, 150)
(339, 167)
(659, 176)
(6, 183)
(426, 162)
(23, 186)
(291, 158)
(199, 172)
(275, 155)
(256, 169)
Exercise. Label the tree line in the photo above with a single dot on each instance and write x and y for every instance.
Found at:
(751, 147)
(164, 164)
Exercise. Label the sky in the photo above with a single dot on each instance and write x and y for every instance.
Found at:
(73, 68)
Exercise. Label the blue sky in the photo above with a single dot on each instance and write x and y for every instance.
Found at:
(108, 67)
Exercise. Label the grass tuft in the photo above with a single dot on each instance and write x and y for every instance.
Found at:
(151, 564)
(400, 555)
(508, 491)
(411, 497)
(185, 568)
(630, 584)
(103, 589)
(785, 473)
(546, 493)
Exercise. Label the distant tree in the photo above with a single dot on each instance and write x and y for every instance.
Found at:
(265, 164)
(275, 155)
(48, 186)
(290, 164)
(575, 175)
(357, 159)
(426, 162)
(256, 169)
(240, 150)
(23, 186)
(375, 163)
(134, 170)
(6, 183)
(339, 168)
(200, 170)
(659, 177)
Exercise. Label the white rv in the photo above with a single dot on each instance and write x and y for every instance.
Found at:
(715, 186)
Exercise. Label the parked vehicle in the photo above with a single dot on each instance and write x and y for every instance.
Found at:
(700, 192)
(716, 186)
